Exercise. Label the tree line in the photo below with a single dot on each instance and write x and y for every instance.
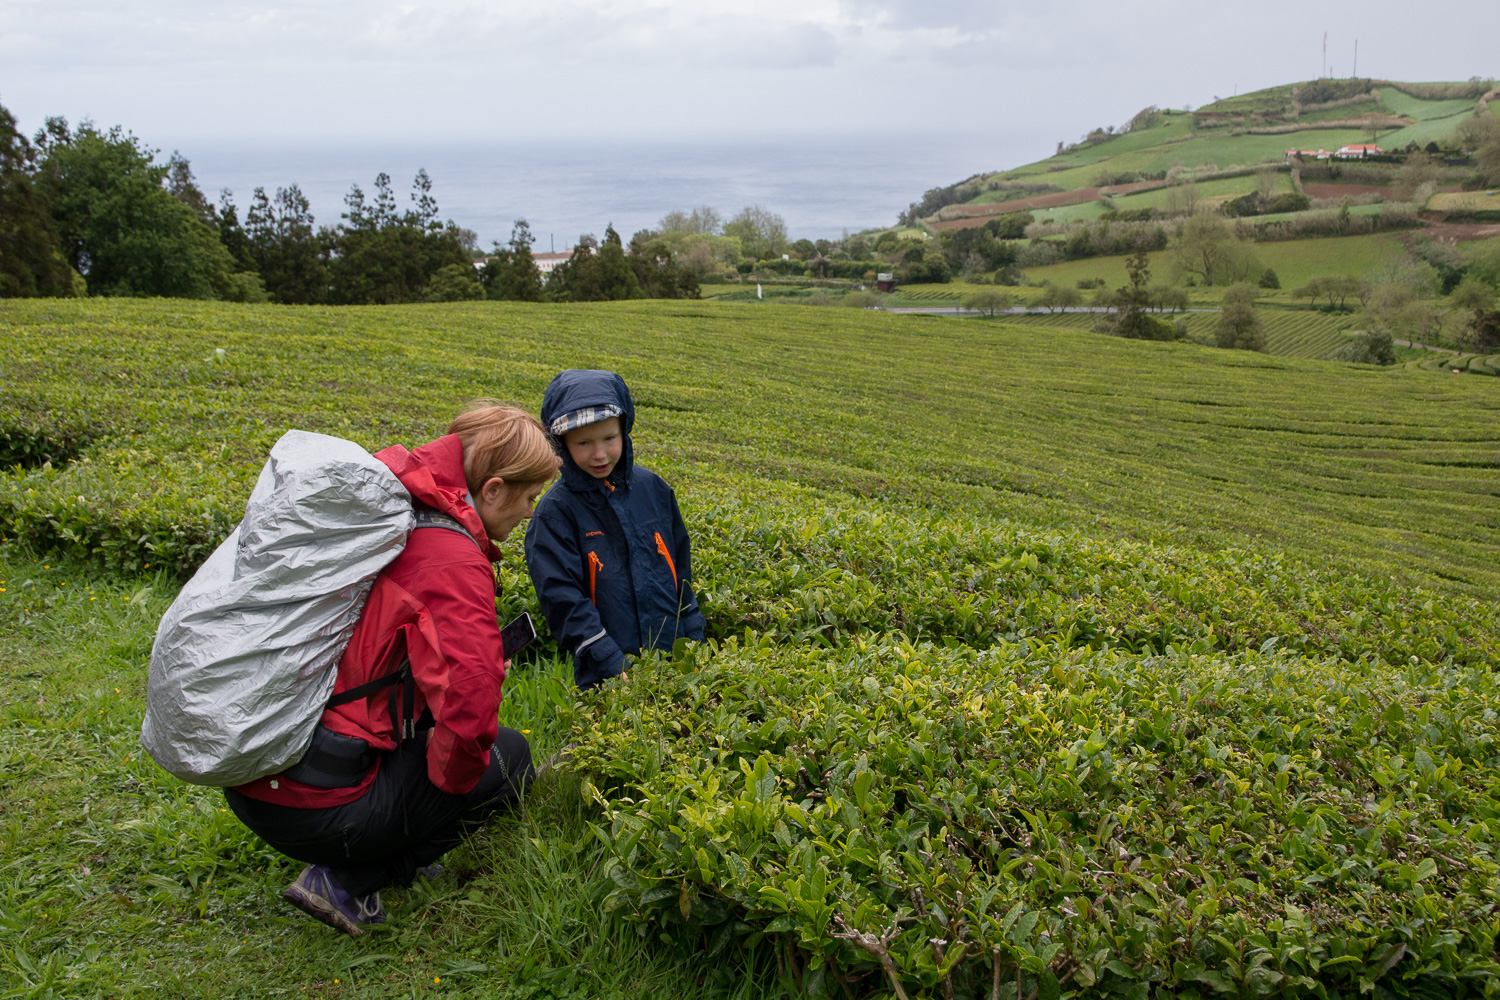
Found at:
(87, 211)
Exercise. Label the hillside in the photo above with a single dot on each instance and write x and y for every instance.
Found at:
(1069, 663)
(1217, 147)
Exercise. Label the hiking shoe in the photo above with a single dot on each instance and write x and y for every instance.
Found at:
(434, 870)
(315, 893)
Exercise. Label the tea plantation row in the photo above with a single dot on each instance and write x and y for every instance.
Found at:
(154, 435)
(1289, 333)
(1036, 666)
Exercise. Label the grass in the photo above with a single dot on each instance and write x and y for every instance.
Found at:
(1472, 200)
(1121, 520)
(117, 880)
(1295, 261)
(1399, 103)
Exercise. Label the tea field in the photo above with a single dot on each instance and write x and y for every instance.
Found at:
(1038, 665)
(1289, 333)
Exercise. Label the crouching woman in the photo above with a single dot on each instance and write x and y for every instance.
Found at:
(409, 755)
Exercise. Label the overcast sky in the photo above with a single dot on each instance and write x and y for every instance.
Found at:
(177, 70)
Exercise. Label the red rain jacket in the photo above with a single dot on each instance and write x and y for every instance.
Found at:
(435, 604)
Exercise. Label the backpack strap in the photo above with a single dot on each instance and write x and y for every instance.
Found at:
(402, 703)
(428, 518)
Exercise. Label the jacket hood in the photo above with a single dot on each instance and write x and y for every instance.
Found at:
(576, 389)
(434, 476)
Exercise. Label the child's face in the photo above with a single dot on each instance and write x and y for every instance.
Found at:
(596, 447)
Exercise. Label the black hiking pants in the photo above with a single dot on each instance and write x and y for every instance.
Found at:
(401, 824)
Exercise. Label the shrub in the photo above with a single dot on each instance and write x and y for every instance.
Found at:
(1368, 348)
(1038, 253)
(1269, 279)
(1288, 201)
(1238, 326)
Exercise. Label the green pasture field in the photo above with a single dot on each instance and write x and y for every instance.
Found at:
(1289, 333)
(1294, 261)
(1116, 668)
(1423, 132)
(1399, 103)
(1269, 99)
(1172, 127)
(1349, 111)
(1161, 148)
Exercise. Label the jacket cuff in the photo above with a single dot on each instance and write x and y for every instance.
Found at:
(597, 663)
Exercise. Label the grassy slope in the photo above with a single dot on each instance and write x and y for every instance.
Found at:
(1173, 141)
(1294, 262)
(119, 881)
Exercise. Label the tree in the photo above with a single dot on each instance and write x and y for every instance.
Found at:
(1239, 326)
(1128, 316)
(819, 259)
(1209, 249)
(182, 186)
(987, 300)
(617, 279)
(1473, 293)
(762, 233)
(31, 259)
(1368, 347)
(381, 255)
(512, 273)
(118, 225)
(596, 272)
(701, 221)
(454, 283)
(290, 256)
(1055, 297)
(1482, 331)
(1269, 280)
(1481, 133)
(1167, 298)
(658, 273)
(232, 234)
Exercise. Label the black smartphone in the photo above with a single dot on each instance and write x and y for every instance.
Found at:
(515, 636)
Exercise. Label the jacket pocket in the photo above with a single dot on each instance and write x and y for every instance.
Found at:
(661, 547)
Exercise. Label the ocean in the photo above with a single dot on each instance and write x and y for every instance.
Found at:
(821, 185)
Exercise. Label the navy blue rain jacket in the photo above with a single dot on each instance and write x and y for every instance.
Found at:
(609, 557)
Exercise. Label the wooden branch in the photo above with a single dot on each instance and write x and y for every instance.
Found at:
(877, 946)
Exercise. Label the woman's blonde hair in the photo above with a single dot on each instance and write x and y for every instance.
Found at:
(503, 441)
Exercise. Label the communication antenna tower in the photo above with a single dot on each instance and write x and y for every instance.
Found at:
(1324, 71)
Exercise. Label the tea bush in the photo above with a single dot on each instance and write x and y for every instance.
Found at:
(1038, 662)
(1029, 820)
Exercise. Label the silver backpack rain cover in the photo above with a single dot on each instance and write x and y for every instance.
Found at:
(248, 654)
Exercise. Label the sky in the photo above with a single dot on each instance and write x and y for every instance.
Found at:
(176, 71)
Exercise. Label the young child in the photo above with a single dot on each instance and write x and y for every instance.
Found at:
(607, 549)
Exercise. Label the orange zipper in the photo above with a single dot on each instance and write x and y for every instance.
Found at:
(661, 546)
(595, 565)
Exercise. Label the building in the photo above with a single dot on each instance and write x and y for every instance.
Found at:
(885, 282)
(545, 262)
(1305, 154)
(1358, 152)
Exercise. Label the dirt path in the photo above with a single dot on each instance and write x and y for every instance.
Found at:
(1449, 232)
